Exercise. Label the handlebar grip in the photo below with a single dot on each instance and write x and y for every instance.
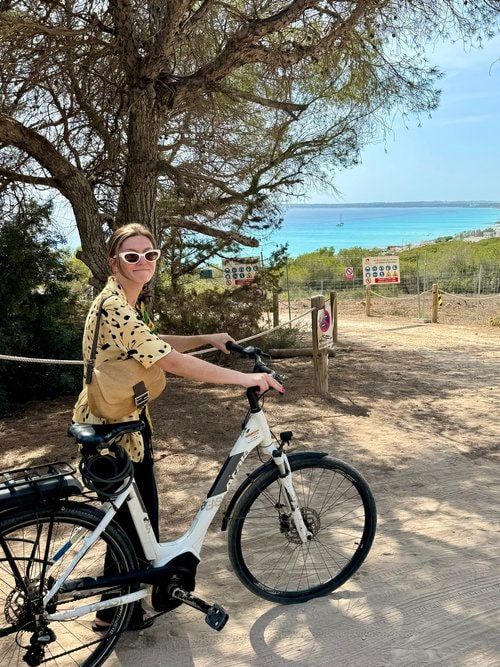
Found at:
(234, 347)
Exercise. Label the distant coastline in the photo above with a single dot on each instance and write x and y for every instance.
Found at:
(305, 228)
(404, 204)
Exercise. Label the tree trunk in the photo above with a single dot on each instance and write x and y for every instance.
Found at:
(138, 195)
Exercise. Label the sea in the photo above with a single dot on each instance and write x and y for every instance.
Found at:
(307, 228)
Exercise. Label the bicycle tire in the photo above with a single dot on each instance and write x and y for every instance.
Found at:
(30, 536)
(265, 550)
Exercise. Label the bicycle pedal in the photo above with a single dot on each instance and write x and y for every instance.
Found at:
(216, 617)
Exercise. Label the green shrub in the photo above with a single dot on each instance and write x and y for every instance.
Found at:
(281, 338)
(239, 311)
(40, 310)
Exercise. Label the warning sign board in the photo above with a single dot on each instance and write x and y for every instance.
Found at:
(240, 271)
(325, 328)
(381, 270)
(349, 273)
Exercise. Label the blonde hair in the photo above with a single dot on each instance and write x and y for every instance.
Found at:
(126, 232)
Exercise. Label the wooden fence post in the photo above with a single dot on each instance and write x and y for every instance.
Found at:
(435, 301)
(276, 309)
(368, 300)
(333, 310)
(320, 357)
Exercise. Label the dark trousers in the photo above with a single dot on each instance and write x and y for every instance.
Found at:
(146, 483)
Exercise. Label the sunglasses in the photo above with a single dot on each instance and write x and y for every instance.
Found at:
(132, 257)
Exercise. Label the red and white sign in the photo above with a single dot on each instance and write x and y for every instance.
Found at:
(349, 273)
(325, 328)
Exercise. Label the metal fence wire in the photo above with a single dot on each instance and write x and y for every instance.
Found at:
(482, 281)
(466, 296)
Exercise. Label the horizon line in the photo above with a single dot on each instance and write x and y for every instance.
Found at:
(413, 202)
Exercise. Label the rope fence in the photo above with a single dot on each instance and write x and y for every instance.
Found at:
(29, 360)
(471, 298)
(76, 362)
(400, 298)
(258, 335)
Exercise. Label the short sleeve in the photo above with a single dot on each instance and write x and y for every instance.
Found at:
(129, 333)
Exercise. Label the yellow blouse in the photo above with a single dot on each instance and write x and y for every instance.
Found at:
(122, 334)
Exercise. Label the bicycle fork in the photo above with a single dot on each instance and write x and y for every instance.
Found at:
(286, 483)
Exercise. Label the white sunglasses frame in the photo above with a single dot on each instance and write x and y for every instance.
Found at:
(140, 256)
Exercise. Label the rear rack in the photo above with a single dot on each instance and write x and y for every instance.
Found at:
(17, 476)
(41, 483)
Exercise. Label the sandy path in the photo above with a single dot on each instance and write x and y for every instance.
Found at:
(415, 408)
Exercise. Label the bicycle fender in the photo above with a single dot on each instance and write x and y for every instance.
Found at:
(252, 477)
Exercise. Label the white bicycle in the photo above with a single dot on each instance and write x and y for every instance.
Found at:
(298, 527)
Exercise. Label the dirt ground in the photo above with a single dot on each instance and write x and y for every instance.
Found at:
(414, 407)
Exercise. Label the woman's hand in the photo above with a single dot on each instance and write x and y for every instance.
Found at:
(218, 340)
(263, 381)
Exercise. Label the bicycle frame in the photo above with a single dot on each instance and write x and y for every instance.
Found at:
(255, 433)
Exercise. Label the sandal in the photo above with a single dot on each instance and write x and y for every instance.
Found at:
(146, 622)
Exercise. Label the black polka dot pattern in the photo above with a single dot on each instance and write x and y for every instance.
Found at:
(122, 335)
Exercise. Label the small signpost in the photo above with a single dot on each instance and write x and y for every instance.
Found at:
(325, 328)
(206, 274)
(240, 271)
(323, 334)
(349, 273)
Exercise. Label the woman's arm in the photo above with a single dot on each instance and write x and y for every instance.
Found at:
(186, 343)
(203, 371)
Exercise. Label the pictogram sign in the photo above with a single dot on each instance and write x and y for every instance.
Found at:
(381, 270)
(240, 271)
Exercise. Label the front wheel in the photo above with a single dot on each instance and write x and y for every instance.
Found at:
(339, 511)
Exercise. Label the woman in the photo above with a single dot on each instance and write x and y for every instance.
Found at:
(126, 331)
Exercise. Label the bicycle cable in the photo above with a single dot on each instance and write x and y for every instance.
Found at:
(108, 474)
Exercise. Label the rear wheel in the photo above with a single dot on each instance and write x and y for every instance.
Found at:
(35, 548)
(339, 511)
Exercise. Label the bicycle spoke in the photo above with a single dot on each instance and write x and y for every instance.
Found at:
(339, 513)
(33, 543)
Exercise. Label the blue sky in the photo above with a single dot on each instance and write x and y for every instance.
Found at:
(453, 155)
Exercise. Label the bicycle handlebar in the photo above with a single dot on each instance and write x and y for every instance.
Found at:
(256, 355)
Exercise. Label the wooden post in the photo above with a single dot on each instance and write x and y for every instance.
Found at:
(368, 300)
(276, 309)
(320, 357)
(479, 288)
(333, 310)
(435, 296)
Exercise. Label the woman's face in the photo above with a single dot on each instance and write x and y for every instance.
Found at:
(139, 273)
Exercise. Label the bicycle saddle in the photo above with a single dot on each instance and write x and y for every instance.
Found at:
(102, 434)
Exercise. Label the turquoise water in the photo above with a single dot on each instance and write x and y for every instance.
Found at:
(306, 229)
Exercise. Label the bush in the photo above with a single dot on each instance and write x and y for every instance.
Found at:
(239, 312)
(281, 338)
(40, 309)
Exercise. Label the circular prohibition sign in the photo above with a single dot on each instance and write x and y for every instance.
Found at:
(325, 321)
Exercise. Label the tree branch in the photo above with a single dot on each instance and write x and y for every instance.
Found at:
(12, 175)
(41, 149)
(289, 107)
(185, 223)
